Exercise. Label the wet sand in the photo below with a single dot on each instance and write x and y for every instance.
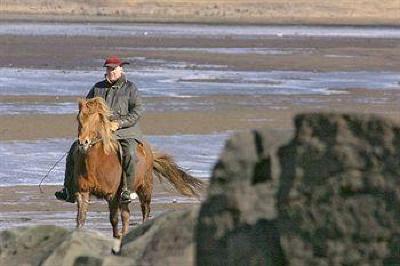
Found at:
(274, 112)
(26, 205)
(310, 53)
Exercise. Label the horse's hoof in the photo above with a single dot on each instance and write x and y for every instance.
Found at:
(116, 250)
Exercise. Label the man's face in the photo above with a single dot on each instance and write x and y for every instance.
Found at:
(113, 74)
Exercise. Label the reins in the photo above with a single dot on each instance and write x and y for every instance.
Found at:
(48, 172)
(59, 160)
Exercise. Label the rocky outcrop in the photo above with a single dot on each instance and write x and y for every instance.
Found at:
(329, 195)
(238, 222)
(334, 201)
(338, 200)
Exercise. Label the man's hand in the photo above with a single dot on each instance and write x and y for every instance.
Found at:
(114, 126)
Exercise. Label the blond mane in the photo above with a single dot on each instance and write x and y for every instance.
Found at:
(98, 106)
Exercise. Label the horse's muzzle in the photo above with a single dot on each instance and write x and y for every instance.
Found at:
(83, 146)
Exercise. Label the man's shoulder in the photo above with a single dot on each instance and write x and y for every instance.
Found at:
(130, 85)
(101, 84)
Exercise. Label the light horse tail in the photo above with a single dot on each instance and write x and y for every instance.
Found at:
(164, 166)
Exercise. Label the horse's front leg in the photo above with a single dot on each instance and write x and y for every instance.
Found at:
(125, 214)
(82, 200)
(113, 205)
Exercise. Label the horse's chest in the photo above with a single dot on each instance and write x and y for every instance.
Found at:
(102, 173)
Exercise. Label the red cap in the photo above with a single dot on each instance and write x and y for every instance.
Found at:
(114, 61)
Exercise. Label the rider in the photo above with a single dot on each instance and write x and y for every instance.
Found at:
(123, 98)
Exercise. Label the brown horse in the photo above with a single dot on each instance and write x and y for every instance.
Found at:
(98, 168)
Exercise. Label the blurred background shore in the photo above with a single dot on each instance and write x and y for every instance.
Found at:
(341, 12)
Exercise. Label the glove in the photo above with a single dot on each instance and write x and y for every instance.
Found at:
(114, 126)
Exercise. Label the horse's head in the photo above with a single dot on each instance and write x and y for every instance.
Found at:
(93, 124)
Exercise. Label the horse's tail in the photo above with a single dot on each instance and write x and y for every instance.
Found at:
(164, 166)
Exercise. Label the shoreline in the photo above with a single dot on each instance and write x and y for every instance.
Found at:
(46, 18)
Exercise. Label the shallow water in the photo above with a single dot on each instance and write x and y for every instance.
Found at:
(184, 83)
(27, 162)
(182, 30)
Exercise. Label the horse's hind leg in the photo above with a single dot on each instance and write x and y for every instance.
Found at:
(113, 205)
(83, 204)
(125, 213)
(145, 199)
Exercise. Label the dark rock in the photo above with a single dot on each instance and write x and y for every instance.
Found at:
(334, 200)
(339, 201)
(238, 221)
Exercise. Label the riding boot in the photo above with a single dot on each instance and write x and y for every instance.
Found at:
(128, 165)
(67, 193)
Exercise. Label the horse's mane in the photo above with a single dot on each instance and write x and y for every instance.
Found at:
(97, 105)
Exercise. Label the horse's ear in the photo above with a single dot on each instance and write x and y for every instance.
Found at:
(82, 103)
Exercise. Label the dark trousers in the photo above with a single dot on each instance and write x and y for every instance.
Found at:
(128, 164)
(128, 161)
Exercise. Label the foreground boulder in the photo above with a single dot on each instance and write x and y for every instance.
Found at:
(50, 245)
(238, 222)
(166, 240)
(337, 201)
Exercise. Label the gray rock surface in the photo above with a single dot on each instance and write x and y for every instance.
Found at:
(334, 200)
(50, 245)
(166, 240)
(238, 221)
(339, 200)
(29, 245)
(81, 248)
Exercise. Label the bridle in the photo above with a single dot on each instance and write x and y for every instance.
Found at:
(96, 140)
(92, 142)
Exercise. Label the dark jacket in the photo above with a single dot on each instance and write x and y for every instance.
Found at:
(124, 100)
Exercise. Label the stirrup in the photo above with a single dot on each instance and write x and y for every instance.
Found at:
(127, 197)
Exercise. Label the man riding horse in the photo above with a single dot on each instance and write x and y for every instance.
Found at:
(123, 98)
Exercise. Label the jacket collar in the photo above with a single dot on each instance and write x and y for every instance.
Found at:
(118, 84)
